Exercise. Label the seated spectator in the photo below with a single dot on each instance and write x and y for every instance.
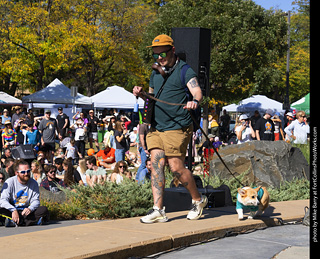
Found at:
(106, 157)
(203, 150)
(59, 154)
(82, 168)
(133, 137)
(71, 175)
(20, 199)
(120, 171)
(217, 143)
(7, 154)
(60, 171)
(5, 171)
(37, 172)
(144, 173)
(94, 174)
(2, 180)
(50, 182)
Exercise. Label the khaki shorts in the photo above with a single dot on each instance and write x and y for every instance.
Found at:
(173, 142)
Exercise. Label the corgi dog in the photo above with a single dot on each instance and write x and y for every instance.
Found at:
(255, 199)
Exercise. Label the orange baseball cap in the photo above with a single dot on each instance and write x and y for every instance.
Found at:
(161, 40)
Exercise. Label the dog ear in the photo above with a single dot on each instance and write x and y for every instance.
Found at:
(258, 188)
(241, 191)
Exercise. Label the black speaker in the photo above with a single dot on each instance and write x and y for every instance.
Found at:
(193, 45)
(178, 199)
(23, 151)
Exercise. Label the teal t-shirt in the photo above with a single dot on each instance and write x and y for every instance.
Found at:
(100, 171)
(171, 117)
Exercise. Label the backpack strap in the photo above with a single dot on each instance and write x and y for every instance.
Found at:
(184, 69)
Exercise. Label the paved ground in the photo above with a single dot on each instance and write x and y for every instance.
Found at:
(126, 238)
(283, 242)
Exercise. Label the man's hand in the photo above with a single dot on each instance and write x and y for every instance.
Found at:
(192, 105)
(137, 91)
(26, 212)
(15, 216)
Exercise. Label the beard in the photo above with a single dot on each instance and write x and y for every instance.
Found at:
(24, 178)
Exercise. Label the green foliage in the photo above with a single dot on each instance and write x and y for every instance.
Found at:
(106, 201)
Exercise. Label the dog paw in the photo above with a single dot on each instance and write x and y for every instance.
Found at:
(240, 218)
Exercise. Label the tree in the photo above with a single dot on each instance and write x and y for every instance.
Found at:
(246, 41)
(88, 43)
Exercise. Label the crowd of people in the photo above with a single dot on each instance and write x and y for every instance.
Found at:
(62, 161)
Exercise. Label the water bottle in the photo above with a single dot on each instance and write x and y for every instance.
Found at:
(136, 105)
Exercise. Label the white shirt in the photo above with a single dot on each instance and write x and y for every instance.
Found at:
(246, 134)
(300, 131)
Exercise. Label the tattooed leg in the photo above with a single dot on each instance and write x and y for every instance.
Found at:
(157, 176)
(184, 175)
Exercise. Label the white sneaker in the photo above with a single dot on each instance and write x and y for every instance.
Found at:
(155, 215)
(197, 208)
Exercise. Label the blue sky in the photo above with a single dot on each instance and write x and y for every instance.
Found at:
(284, 5)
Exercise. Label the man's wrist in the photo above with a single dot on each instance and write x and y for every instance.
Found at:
(196, 101)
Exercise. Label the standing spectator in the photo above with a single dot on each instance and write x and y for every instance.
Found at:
(299, 129)
(50, 182)
(143, 149)
(92, 127)
(2, 180)
(47, 128)
(94, 174)
(62, 122)
(277, 128)
(33, 137)
(244, 131)
(80, 135)
(20, 199)
(82, 117)
(256, 116)
(265, 127)
(16, 116)
(225, 122)
(5, 116)
(214, 123)
(120, 139)
(72, 152)
(9, 135)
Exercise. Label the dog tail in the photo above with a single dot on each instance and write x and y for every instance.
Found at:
(264, 202)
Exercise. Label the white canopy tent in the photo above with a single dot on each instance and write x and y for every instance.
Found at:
(56, 92)
(9, 99)
(116, 97)
(255, 102)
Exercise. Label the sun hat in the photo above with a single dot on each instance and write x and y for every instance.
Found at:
(161, 40)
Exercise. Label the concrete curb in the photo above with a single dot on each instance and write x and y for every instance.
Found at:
(125, 238)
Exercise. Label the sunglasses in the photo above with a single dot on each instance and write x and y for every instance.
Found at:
(121, 166)
(25, 172)
(162, 54)
(1, 178)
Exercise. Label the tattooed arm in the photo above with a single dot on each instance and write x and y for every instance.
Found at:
(196, 92)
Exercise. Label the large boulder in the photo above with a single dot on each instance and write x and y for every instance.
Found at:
(266, 163)
(59, 197)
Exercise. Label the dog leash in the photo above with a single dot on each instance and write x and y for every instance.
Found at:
(197, 124)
